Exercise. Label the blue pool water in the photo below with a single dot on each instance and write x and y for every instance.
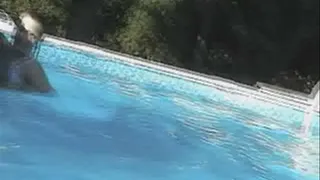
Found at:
(112, 121)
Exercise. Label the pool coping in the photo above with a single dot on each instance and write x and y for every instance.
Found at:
(261, 91)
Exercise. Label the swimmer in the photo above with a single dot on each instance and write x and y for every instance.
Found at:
(18, 67)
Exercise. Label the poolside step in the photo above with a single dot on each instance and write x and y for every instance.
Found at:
(282, 91)
(288, 96)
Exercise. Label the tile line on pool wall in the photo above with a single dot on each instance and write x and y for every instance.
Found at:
(261, 91)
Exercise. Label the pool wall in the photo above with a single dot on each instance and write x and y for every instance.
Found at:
(261, 91)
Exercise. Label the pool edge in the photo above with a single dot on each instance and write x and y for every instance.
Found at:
(281, 96)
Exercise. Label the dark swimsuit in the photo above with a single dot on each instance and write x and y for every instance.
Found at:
(20, 71)
(14, 71)
(15, 67)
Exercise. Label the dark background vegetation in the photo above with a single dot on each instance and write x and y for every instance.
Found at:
(273, 41)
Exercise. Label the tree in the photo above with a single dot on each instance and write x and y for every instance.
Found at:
(52, 12)
(141, 35)
(270, 41)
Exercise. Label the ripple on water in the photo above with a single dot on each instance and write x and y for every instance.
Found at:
(167, 130)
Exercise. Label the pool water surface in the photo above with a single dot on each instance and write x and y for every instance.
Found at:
(99, 126)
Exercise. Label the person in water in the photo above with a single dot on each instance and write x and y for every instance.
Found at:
(18, 67)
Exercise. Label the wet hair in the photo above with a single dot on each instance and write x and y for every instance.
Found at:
(29, 24)
(35, 20)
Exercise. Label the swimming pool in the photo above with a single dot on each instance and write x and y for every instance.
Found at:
(112, 120)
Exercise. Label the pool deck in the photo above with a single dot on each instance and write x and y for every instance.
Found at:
(261, 91)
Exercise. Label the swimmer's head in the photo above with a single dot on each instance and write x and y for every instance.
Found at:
(32, 26)
(30, 31)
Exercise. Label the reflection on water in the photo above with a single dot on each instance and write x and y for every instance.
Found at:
(257, 138)
(112, 123)
(305, 155)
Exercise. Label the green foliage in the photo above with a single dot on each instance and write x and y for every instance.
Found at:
(140, 35)
(53, 12)
(233, 37)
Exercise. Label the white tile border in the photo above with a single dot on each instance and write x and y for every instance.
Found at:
(262, 91)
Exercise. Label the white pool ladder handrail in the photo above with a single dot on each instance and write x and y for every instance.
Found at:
(315, 95)
(314, 107)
